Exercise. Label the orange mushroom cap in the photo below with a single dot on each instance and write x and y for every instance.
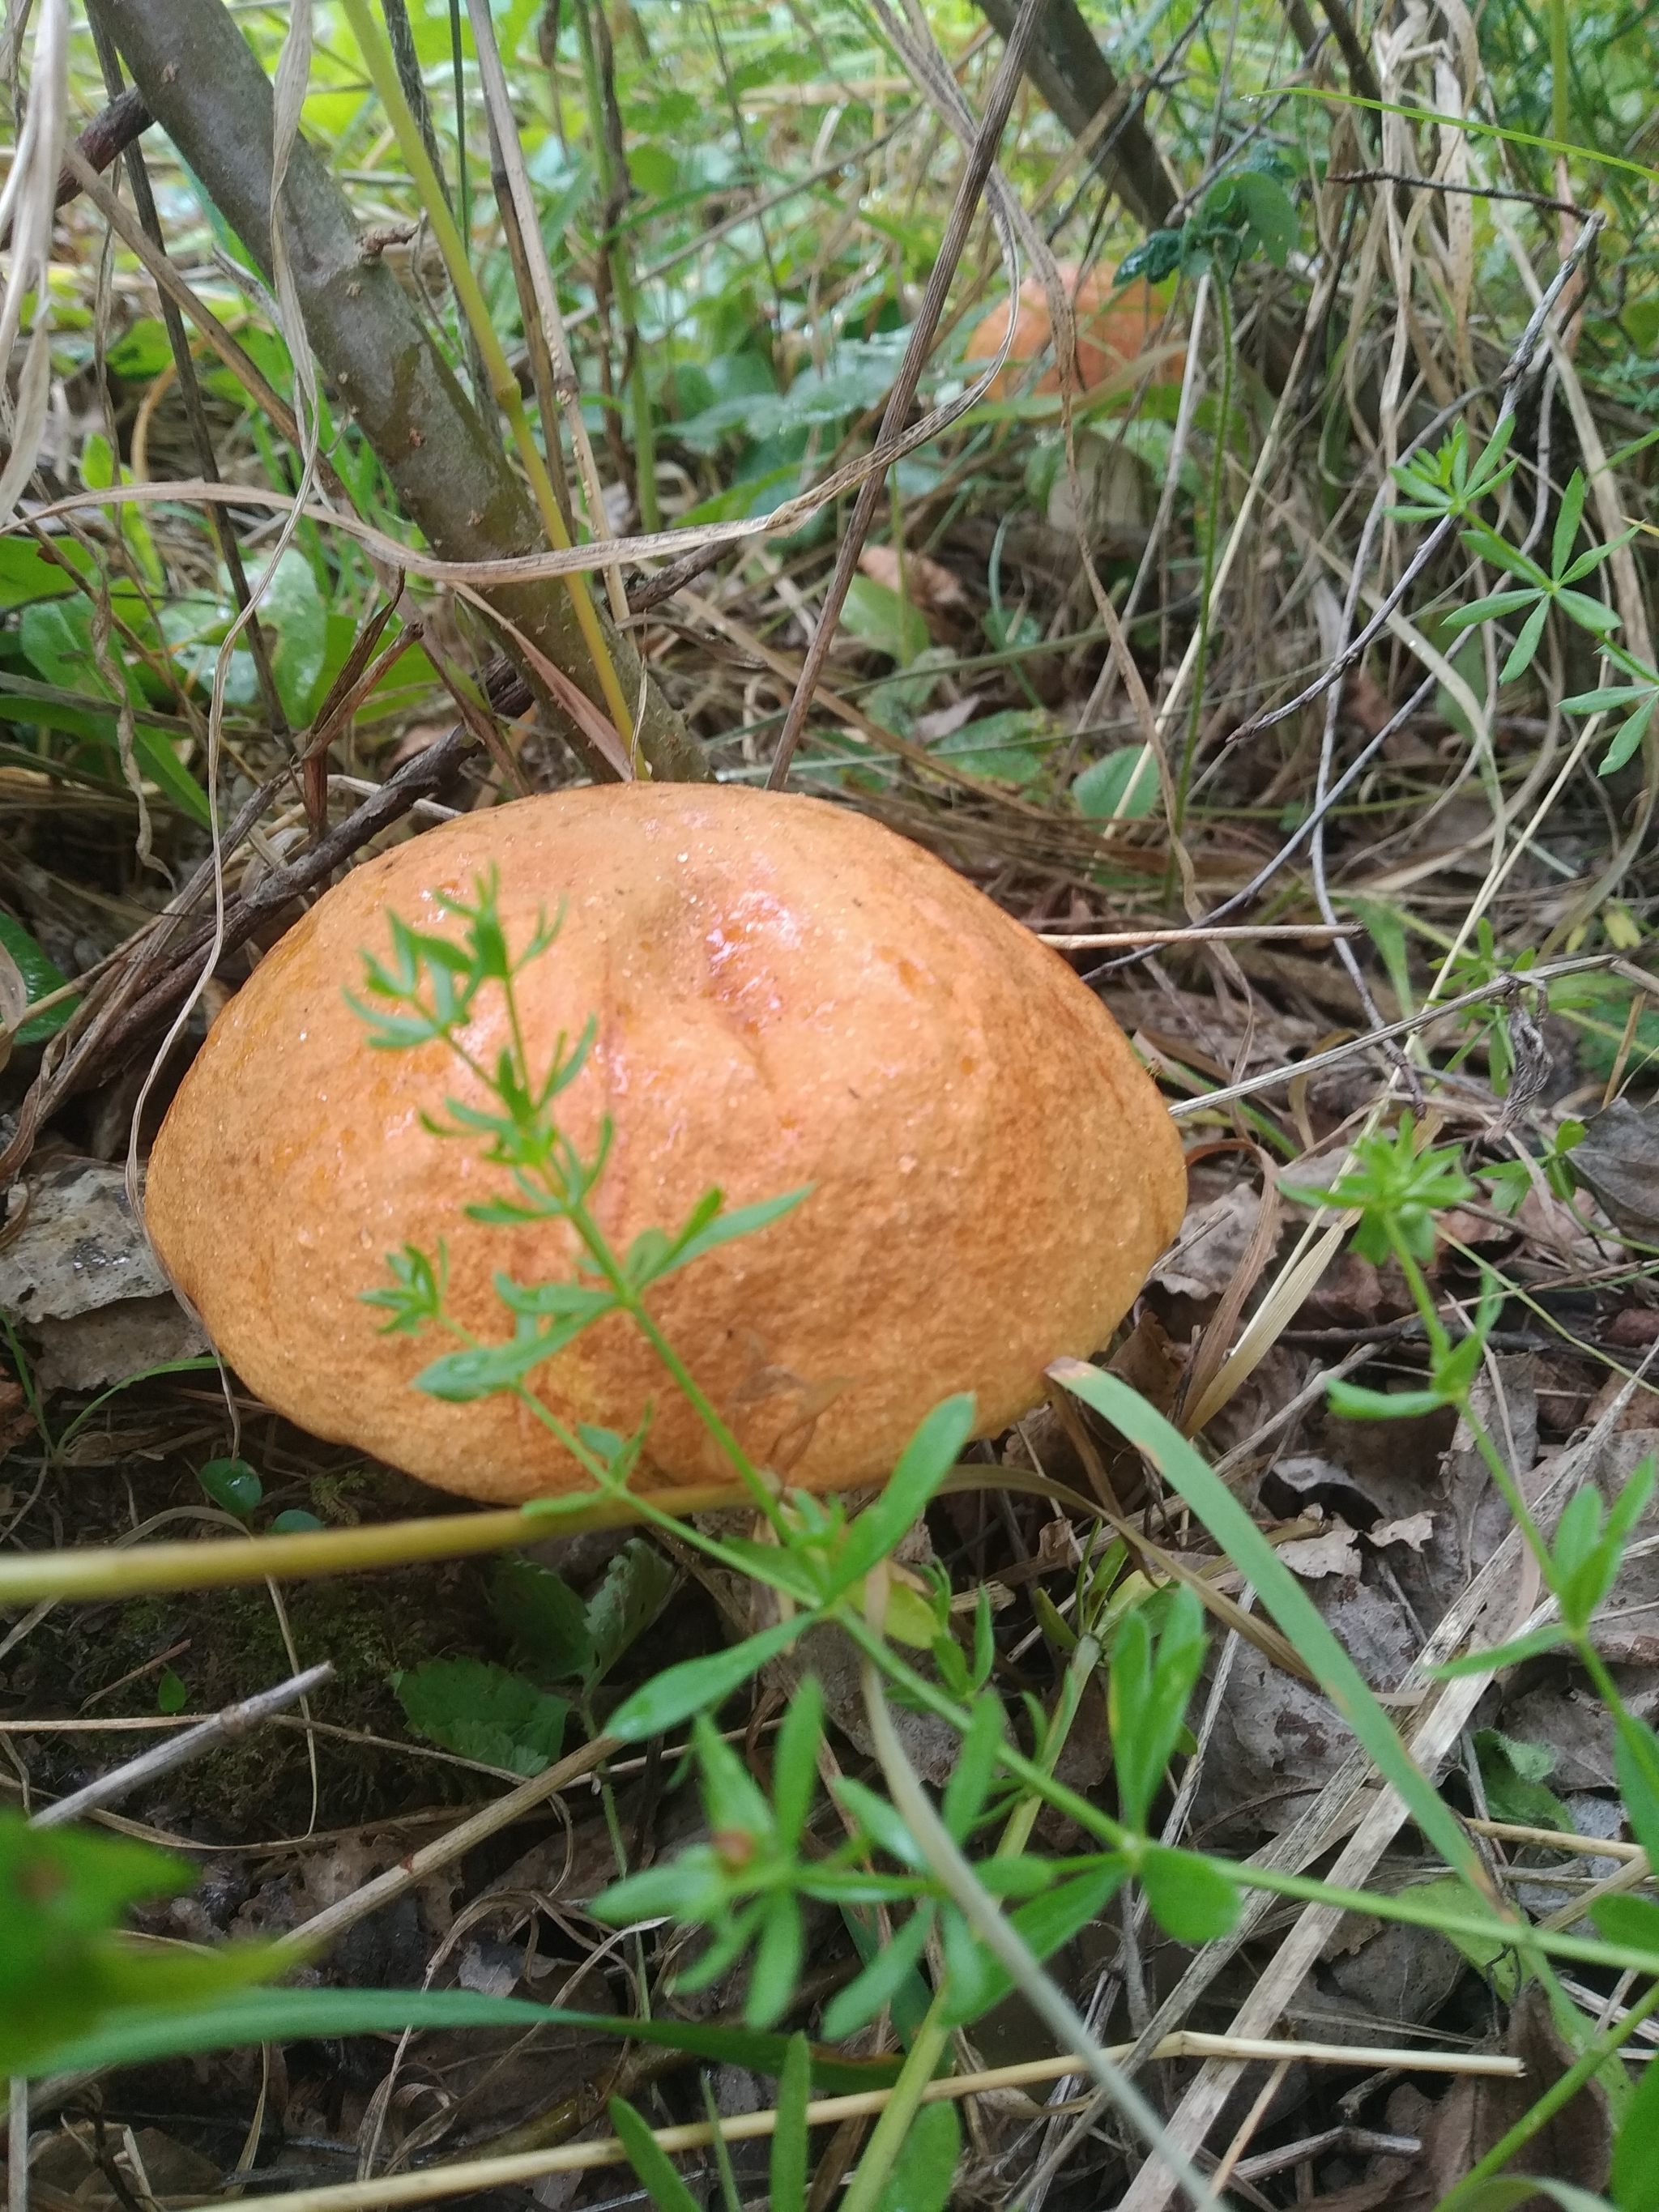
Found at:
(1114, 328)
(785, 994)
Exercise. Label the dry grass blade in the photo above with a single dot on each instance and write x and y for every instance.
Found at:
(26, 204)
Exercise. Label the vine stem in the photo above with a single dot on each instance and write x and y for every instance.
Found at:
(1218, 479)
(1009, 1948)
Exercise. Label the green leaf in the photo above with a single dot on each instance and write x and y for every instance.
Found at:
(459, 1378)
(969, 1784)
(60, 1885)
(1566, 522)
(1627, 737)
(1608, 696)
(1529, 1646)
(170, 1695)
(62, 1892)
(741, 1221)
(795, 1761)
(1099, 789)
(1191, 1898)
(1148, 1699)
(1351, 1401)
(733, 1799)
(789, 2137)
(543, 1616)
(927, 2163)
(701, 1685)
(292, 607)
(649, 2161)
(1492, 1956)
(879, 617)
(1271, 211)
(56, 642)
(923, 1465)
(1578, 1532)
(1489, 609)
(481, 1711)
(776, 1968)
(1524, 651)
(294, 1521)
(1009, 747)
(880, 1821)
(1492, 468)
(1504, 2192)
(1635, 1755)
(41, 974)
(1632, 1921)
(1593, 615)
(887, 1972)
(977, 1981)
(26, 574)
(283, 2015)
(1236, 1533)
(1158, 256)
(1513, 1775)
(232, 1485)
(1635, 2180)
(635, 1588)
(1047, 1921)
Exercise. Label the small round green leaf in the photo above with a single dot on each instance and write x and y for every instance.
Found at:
(232, 1485)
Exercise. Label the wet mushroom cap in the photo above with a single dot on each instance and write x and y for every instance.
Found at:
(785, 994)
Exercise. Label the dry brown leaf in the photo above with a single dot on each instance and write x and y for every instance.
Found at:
(1575, 2145)
(927, 583)
(1415, 1529)
(1618, 1159)
(1334, 1552)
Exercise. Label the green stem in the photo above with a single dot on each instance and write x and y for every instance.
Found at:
(1218, 485)
(1084, 1661)
(1530, 1943)
(463, 183)
(147, 1569)
(503, 384)
(875, 2168)
(629, 1299)
(1440, 1344)
(1606, 2046)
(615, 185)
(1560, 82)
(1006, 1945)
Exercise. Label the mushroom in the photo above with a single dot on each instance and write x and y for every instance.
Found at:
(1114, 328)
(785, 992)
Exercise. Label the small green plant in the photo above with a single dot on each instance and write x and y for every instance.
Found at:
(1243, 214)
(562, 1646)
(1397, 1184)
(1448, 486)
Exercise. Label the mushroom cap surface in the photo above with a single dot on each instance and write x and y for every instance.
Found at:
(1114, 328)
(785, 994)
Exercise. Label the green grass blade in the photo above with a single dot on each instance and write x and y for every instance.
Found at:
(1182, 1467)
